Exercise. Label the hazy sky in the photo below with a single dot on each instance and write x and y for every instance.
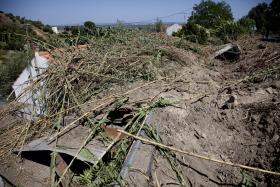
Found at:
(59, 12)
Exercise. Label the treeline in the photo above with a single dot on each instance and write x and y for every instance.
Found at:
(83, 34)
(23, 20)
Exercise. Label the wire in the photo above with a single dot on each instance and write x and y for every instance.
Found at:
(184, 12)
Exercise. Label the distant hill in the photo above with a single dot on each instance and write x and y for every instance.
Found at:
(13, 28)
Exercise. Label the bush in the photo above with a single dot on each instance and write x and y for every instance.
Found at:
(89, 27)
(194, 33)
(10, 39)
(10, 69)
(246, 25)
(37, 24)
(227, 31)
(48, 29)
(158, 25)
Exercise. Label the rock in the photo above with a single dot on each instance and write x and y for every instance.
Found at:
(228, 51)
(275, 138)
(275, 85)
(270, 90)
(261, 46)
(229, 103)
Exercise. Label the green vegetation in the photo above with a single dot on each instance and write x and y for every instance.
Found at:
(266, 17)
(214, 19)
(246, 24)
(194, 33)
(13, 35)
(12, 64)
(259, 14)
(22, 20)
(209, 13)
(90, 27)
(227, 31)
(158, 25)
(16, 33)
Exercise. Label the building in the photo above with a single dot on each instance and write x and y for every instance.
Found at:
(33, 99)
(172, 29)
(55, 30)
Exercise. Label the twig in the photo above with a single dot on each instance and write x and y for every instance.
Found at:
(75, 156)
(272, 58)
(156, 179)
(27, 129)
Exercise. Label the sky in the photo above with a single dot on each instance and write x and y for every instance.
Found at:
(72, 12)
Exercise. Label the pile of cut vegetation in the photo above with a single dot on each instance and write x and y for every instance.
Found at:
(122, 58)
(112, 91)
(76, 77)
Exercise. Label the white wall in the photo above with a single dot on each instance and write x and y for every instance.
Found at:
(173, 28)
(55, 30)
(32, 99)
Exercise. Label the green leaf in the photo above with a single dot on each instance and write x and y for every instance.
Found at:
(87, 154)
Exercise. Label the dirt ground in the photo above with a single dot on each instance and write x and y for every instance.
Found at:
(217, 116)
(237, 123)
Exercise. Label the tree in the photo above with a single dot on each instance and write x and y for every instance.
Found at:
(90, 27)
(260, 15)
(209, 13)
(266, 17)
(246, 24)
(274, 16)
(158, 25)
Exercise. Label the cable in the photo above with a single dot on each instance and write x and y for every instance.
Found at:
(184, 12)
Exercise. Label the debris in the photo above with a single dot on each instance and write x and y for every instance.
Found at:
(275, 138)
(137, 148)
(270, 90)
(200, 156)
(227, 101)
(229, 51)
(262, 46)
(67, 144)
(173, 29)
(83, 86)
(60, 166)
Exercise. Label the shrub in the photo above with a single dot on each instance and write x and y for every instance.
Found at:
(48, 29)
(194, 33)
(227, 31)
(90, 27)
(246, 25)
(158, 25)
(11, 67)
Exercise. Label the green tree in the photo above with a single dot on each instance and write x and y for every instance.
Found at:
(47, 28)
(90, 27)
(274, 16)
(260, 15)
(158, 25)
(246, 24)
(209, 13)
